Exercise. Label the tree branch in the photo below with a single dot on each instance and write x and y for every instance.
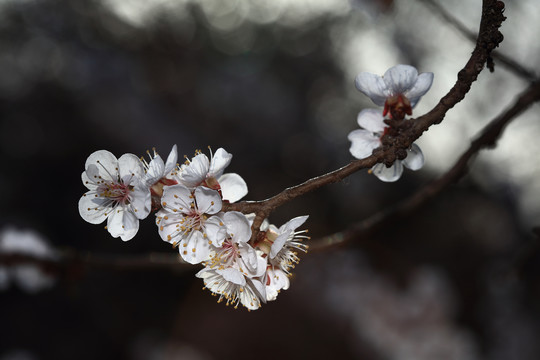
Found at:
(487, 138)
(510, 63)
(71, 262)
(488, 39)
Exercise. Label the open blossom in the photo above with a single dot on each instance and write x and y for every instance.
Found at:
(160, 174)
(367, 139)
(201, 171)
(117, 192)
(233, 273)
(188, 220)
(279, 247)
(398, 90)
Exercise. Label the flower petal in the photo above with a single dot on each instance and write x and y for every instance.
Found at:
(280, 241)
(172, 159)
(90, 177)
(106, 163)
(232, 275)
(372, 120)
(208, 200)
(92, 208)
(130, 166)
(422, 85)
(215, 230)
(195, 248)
(176, 197)
(391, 174)
(415, 158)
(156, 169)
(277, 280)
(195, 171)
(249, 261)
(140, 200)
(237, 226)
(294, 223)
(122, 223)
(363, 143)
(233, 187)
(259, 289)
(373, 86)
(220, 161)
(167, 229)
(252, 295)
(400, 78)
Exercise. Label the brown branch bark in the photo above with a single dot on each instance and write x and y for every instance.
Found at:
(487, 138)
(506, 61)
(488, 39)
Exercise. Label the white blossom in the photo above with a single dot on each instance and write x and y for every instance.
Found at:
(398, 90)
(235, 269)
(117, 192)
(186, 221)
(210, 173)
(368, 138)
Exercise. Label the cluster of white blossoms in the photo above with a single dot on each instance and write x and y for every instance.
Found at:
(398, 91)
(188, 200)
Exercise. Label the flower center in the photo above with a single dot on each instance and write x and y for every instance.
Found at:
(118, 192)
(398, 106)
(195, 220)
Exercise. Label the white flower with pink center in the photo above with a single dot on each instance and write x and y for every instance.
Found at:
(234, 270)
(398, 90)
(367, 139)
(117, 193)
(201, 171)
(188, 220)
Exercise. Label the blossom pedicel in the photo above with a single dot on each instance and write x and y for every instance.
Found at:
(188, 200)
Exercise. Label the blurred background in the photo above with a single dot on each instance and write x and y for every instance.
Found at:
(273, 83)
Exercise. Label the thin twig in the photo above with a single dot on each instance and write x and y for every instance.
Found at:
(488, 137)
(508, 62)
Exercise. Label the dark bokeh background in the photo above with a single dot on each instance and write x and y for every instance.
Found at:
(457, 280)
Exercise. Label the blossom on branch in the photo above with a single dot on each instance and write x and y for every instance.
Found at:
(280, 247)
(117, 192)
(234, 270)
(398, 90)
(201, 171)
(186, 221)
(368, 138)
